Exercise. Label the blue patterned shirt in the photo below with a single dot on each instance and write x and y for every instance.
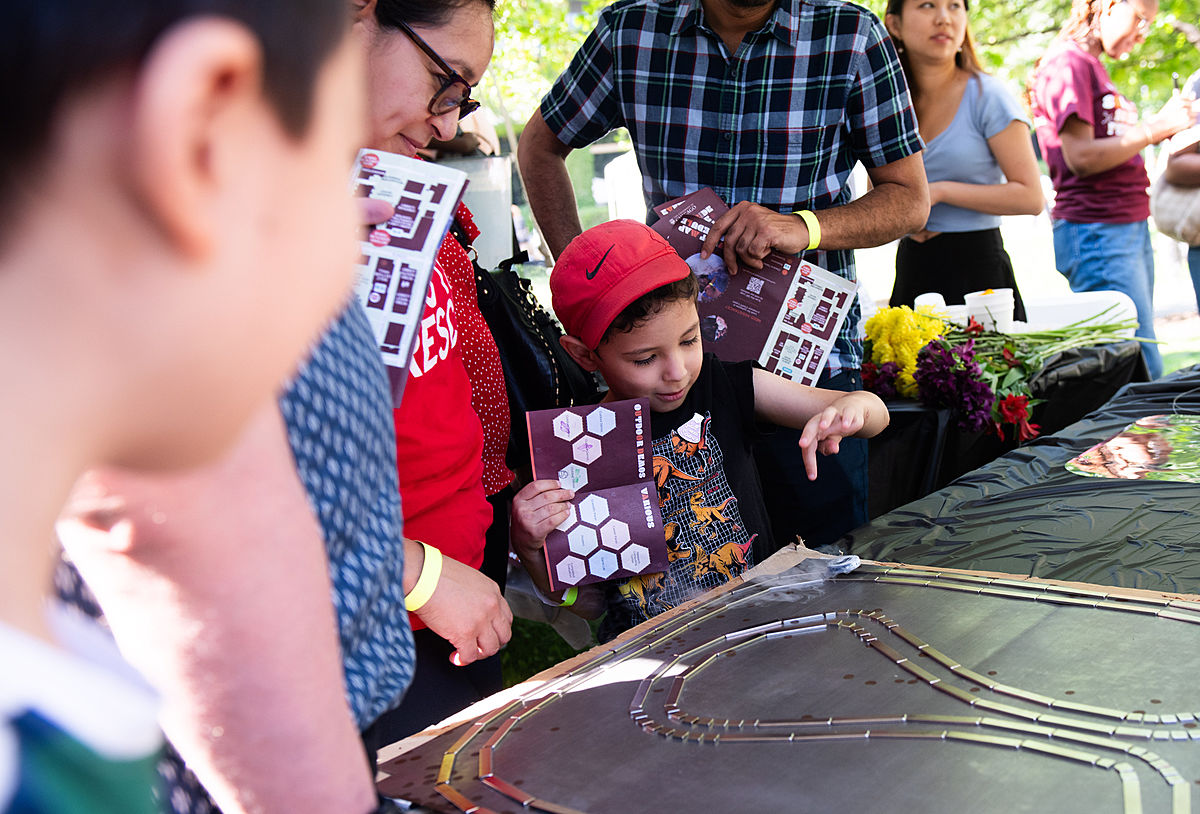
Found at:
(339, 423)
(781, 122)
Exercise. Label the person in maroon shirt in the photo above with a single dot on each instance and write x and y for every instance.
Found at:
(1092, 140)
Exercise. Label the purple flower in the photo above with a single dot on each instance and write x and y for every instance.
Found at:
(948, 376)
(881, 379)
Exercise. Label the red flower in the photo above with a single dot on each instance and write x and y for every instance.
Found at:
(1015, 410)
(974, 327)
(1011, 358)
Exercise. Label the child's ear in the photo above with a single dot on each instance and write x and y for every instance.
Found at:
(581, 353)
(189, 100)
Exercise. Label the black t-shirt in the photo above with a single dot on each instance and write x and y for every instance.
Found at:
(709, 494)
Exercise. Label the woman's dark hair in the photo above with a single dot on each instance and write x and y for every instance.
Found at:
(651, 303)
(966, 58)
(420, 13)
(51, 49)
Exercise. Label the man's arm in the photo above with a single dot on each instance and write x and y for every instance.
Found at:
(216, 587)
(542, 159)
(898, 203)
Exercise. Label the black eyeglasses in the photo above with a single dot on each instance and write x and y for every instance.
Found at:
(446, 98)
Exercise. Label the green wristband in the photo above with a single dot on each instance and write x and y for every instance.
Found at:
(569, 597)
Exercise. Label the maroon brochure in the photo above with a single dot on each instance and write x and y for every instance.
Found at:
(603, 452)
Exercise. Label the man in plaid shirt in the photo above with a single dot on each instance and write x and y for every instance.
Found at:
(771, 104)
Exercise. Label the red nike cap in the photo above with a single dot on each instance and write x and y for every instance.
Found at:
(605, 269)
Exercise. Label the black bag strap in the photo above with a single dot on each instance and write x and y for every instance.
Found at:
(460, 234)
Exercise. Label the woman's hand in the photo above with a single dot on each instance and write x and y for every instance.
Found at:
(1177, 114)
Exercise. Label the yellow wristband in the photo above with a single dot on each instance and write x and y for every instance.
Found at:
(431, 572)
(569, 597)
(814, 227)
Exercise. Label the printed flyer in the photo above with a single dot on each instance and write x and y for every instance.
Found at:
(1157, 447)
(397, 256)
(785, 315)
(603, 452)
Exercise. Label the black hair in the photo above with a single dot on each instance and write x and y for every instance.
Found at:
(651, 303)
(52, 49)
(420, 13)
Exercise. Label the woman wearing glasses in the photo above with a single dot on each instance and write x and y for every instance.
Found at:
(453, 423)
(1092, 140)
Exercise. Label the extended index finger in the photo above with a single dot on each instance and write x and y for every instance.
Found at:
(716, 233)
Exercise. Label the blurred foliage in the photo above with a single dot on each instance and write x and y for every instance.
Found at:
(535, 40)
(1011, 36)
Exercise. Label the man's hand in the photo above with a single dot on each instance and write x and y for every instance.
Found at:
(467, 610)
(750, 232)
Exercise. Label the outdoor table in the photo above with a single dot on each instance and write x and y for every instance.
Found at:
(886, 689)
(922, 450)
(1026, 514)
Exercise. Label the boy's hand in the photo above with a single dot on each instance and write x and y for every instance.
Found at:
(537, 509)
(825, 431)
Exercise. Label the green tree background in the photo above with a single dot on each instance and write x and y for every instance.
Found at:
(536, 38)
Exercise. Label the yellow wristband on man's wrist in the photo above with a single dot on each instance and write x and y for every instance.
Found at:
(814, 227)
(431, 572)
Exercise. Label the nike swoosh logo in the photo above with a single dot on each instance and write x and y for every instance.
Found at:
(591, 274)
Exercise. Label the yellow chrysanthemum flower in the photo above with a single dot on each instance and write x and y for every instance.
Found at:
(897, 335)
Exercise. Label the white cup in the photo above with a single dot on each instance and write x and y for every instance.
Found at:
(994, 310)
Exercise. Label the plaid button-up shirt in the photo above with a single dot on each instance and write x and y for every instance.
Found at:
(782, 122)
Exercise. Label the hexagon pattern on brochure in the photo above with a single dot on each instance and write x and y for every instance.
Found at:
(614, 533)
(601, 421)
(571, 569)
(593, 510)
(586, 449)
(603, 563)
(583, 540)
(635, 558)
(597, 545)
(572, 476)
(568, 426)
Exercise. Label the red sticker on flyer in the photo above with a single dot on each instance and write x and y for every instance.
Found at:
(378, 237)
(806, 270)
(370, 160)
(806, 328)
(793, 304)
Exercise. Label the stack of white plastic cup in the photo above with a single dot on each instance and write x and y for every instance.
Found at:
(993, 309)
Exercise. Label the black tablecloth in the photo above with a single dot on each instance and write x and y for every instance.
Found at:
(1026, 514)
(922, 450)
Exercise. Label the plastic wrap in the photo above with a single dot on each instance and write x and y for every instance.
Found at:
(1024, 513)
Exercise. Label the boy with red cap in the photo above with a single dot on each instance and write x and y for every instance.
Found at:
(627, 302)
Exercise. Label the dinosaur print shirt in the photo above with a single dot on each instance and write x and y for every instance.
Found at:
(708, 492)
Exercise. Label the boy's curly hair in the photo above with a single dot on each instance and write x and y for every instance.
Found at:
(651, 303)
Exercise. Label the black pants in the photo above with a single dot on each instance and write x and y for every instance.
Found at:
(954, 264)
(821, 511)
(438, 690)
